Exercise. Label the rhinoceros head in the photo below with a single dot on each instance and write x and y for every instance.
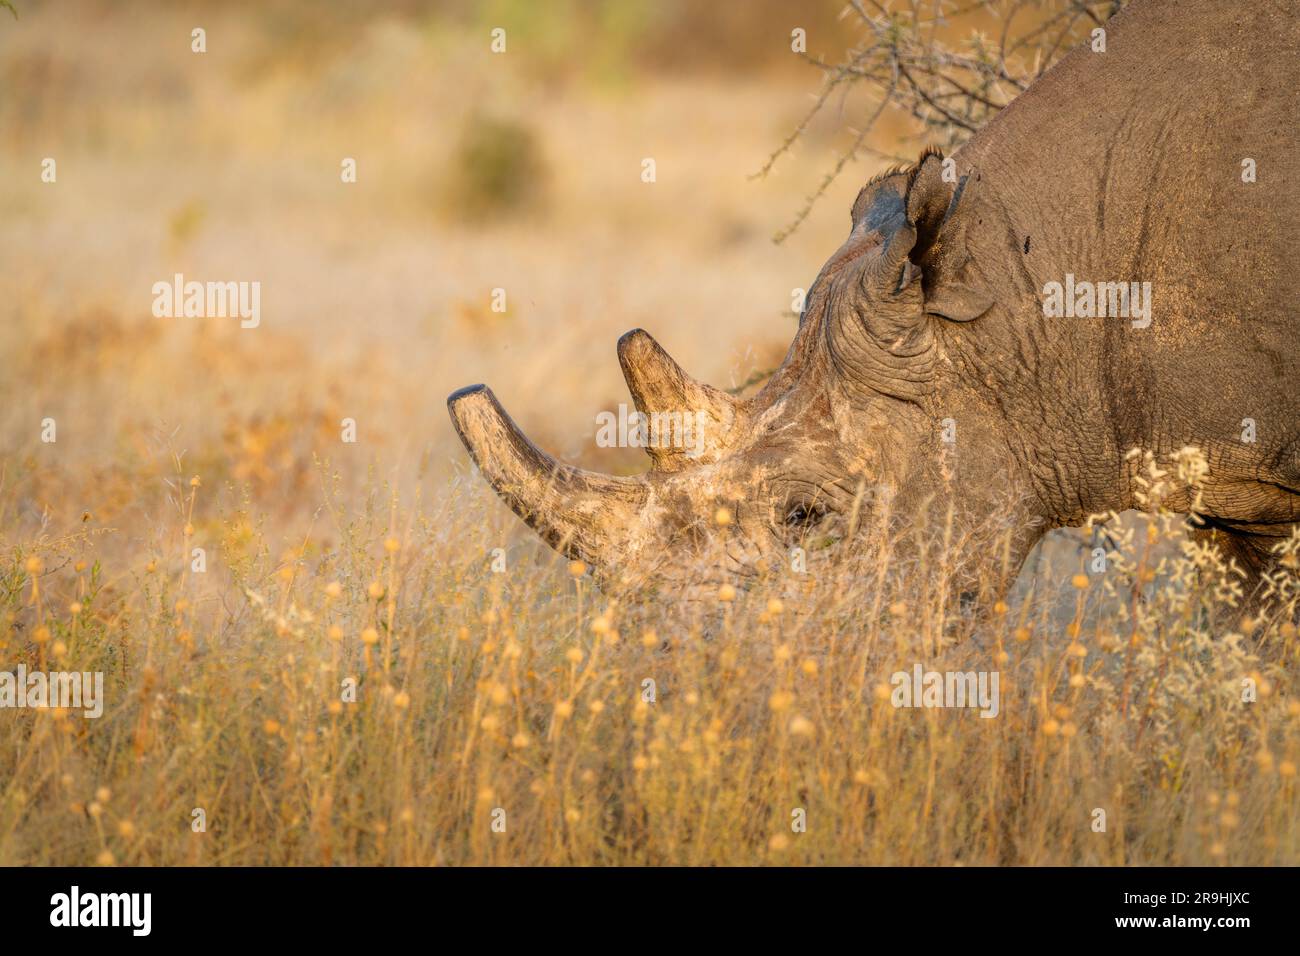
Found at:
(797, 465)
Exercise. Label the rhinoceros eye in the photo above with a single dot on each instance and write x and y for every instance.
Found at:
(804, 515)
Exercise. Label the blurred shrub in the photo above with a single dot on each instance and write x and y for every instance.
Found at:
(184, 223)
(498, 169)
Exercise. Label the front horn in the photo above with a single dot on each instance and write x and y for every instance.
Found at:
(579, 513)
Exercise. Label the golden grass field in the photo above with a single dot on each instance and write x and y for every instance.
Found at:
(512, 698)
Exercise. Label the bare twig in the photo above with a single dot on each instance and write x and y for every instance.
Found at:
(928, 62)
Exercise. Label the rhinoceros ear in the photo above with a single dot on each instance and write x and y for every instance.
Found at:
(939, 204)
(908, 251)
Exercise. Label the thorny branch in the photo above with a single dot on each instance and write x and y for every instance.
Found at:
(933, 62)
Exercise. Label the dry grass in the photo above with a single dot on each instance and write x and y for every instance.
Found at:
(521, 690)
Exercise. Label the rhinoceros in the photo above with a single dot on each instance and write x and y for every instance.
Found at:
(1109, 264)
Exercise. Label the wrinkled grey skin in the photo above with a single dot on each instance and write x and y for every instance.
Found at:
(1116, 166)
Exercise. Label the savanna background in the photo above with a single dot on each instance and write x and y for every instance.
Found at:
(518, 696)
